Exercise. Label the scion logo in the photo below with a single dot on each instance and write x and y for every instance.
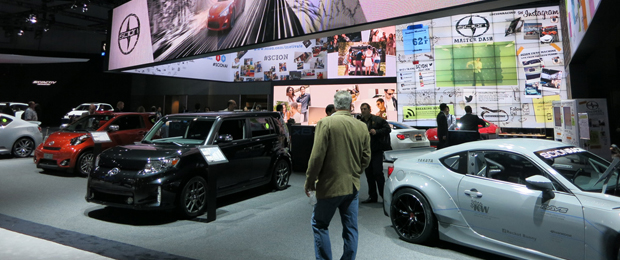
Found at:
(113, 172)
(129, 34)
(592, 105)
(472, 26)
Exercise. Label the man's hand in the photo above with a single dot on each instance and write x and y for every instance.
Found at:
(373, 132)
(308, 187)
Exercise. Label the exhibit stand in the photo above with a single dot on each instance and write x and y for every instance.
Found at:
(583, 123)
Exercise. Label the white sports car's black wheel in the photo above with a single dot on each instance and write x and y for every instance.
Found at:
(23, 147)
(412, 217)
(193, 198)
(281, 175)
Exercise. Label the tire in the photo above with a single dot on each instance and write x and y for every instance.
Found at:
(193, 198)
(281, 175)
(23, 147)
(84, 163)
(412, 217)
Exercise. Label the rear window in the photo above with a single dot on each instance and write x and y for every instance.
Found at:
(4, 121)
(261, 126)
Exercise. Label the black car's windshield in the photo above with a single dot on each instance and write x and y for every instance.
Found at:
(89, 123)
(580, 167)
(180, 131)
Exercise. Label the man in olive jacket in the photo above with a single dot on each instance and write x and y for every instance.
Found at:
(340, 153)
(379, 131)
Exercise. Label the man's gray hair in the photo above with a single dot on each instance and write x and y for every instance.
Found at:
(342, 100)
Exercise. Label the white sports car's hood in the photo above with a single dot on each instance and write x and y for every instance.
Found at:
(599, 200)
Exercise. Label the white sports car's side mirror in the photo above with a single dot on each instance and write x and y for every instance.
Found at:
(539, 182)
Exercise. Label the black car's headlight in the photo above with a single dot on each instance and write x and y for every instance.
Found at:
(79, 139)
(159, 165)
(97, 160)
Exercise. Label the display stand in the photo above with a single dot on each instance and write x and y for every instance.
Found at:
(214, 157)
(98, 139)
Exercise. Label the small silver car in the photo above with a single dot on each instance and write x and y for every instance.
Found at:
(18, 137)
(521, 198)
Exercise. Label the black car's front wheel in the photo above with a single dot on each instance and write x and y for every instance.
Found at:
(23, 147)
(193, 199)
(412, 217)
(281, 175)
(85, 163)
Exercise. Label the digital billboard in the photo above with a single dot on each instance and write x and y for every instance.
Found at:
(145, 31)
(579, 14)
(382, 99)
(507, 65)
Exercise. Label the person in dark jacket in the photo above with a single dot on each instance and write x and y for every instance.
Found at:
(379, 131)
(442, 126)
(471, 122)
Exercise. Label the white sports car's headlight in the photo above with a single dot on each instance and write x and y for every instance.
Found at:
(79, 139)
(159, 165)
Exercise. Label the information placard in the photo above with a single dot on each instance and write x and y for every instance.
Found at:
(584, 127)
(100, 137)
(213, 154)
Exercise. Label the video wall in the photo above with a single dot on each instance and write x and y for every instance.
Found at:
(299, 99)
(579, 14)
(146, 31)
(507, 65)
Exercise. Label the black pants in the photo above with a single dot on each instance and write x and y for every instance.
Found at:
(478, 75)
(374, 175)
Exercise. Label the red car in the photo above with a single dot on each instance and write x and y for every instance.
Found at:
(224, 14)
(489, 128)
(71, 148)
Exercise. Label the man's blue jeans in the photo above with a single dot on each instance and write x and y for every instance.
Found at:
(324, 210)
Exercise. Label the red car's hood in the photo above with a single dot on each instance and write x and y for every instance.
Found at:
(62, 138)
(218, 7)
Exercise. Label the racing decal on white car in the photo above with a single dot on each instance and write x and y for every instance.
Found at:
(426, 160)
(560, 152)
(553, 208)
(478, 206)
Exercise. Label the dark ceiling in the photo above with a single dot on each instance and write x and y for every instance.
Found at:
(76, 26)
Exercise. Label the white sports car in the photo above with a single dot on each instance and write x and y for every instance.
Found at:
(405, 137)
(521, 198)
(19, 137)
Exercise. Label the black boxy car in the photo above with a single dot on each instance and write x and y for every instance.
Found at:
(167, 170)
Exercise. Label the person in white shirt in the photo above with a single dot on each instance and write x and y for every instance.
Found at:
(451, 120)
(295, 115)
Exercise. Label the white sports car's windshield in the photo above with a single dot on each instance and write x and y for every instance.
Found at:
(580, 167)
(180, 131)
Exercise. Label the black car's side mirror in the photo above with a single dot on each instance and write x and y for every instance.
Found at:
(539, 182)
(224, 138)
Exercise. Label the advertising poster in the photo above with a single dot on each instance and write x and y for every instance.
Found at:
(579, 14)
(382, 99)
(368, 53)
(176, 29)
(507, 65)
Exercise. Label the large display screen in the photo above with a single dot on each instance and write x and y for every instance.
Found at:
(382, 99)
(145, 31)
(579, 14)
(507, 65)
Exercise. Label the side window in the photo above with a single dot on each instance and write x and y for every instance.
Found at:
(261, 126)
(234, 128)
(456, 162)
(107, 107)
(4, 121)
(128, 122)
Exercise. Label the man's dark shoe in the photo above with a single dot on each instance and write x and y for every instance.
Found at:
(370, 200)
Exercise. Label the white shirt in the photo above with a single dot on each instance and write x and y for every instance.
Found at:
(451, 122)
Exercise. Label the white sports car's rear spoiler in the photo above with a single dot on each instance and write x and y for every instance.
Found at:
(392, 155)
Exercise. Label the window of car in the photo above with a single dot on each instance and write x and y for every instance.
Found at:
(396, 126)
(180, 131)
(129, 122)
(233, 127)
(261, 126)
(4, 121)
(506, 166)
(88, 123)
(107, 107)
(456, 162)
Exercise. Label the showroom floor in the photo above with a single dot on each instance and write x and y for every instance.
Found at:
(45, 216)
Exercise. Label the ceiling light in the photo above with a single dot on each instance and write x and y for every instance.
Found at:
(20, 32)
(85, 8)
(46, 28)
(32, 18)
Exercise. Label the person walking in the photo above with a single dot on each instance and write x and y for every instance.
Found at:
(340, 154)
(477, 68)
(119, 106)
(30, 114)
(442, 126)
(379, 131)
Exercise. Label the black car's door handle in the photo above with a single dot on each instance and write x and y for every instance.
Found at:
(473, 192)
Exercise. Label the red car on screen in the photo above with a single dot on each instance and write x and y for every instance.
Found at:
(71, 148)
(489, 128)
(224, 14)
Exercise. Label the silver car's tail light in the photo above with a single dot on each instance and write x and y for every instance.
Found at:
(390, 170)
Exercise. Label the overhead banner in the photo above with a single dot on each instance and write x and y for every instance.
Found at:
(507, 65)
(170, 30)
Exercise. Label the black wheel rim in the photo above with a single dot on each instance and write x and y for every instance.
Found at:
(195, 197)
(23, 147)
(282, 174)
(86, 164)
(408, 216)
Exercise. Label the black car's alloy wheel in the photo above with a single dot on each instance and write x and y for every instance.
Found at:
(412, 216)
(281, 175)
(194, 197)
(23, 147)
(85, 163)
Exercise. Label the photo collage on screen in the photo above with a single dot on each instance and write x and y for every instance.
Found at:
(507, 65)
(381, 98)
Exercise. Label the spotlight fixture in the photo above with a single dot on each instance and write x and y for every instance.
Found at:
(84, 8)
(46, 28)
(20, 32)
(32, 18)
